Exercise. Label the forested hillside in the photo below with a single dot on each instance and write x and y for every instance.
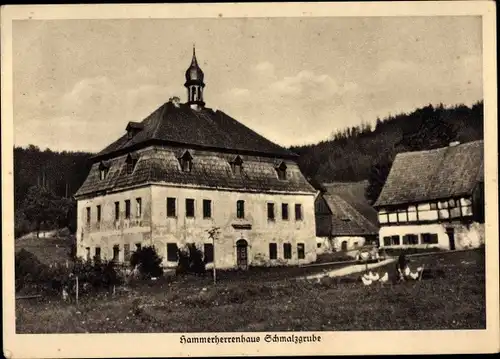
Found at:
(360, 153)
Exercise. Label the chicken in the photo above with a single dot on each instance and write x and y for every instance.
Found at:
(415, 275)
(366, 281)
(384, 278)
(375, 276)
(419, 269)
(407, 271)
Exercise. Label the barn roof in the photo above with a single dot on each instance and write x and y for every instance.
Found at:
(204, 128)
(434, 174)
(351, 214)
(210, 169)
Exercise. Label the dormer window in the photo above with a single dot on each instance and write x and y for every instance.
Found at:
(133, 128)
(131, 161)
(237, 165)
(103, 170)
(281, 170)
(186, 162)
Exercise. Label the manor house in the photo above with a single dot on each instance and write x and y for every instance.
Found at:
(186, 169)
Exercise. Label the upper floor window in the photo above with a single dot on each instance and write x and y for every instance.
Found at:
(284, 211)
(270, 211)
(98, 213)
(189, 207)
(117, 211)
(240, 209)
(281, 170)
(133, 128)
(127, 209)
(88, 214)
(186, 162)
(237, 165)
(138, 207)
(207, 208)
(103, 170)
(131, 161)
(171, 211)
(298, 212)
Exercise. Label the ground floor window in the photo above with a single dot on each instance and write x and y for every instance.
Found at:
(287, 250)
(301, 253)
(87, 253)
(172, 252)
(116, 252)
(429, 238)
(208, 252)
(273, 251)
(410, 239)
(392, 241)
(97, 255)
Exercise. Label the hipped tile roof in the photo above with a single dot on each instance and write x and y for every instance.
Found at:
(180, 124)
(434, 174)
(210, 169)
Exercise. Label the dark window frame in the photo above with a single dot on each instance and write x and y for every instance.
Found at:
(270, 211)
(172, 252)
(301, 250)
(117, 211)
(207, 208)
(190, 207)
(273, 251)
(298, 210)
(127, 209)
(171, 207)
(240, 209)
(285, 215)
(287, 250)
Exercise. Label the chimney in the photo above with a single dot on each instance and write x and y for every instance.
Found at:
(454, 143)
(175, 101)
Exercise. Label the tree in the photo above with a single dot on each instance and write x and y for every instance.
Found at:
(377, 176)
(40, 207)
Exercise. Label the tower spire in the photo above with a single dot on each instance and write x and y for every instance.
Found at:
(194, 83)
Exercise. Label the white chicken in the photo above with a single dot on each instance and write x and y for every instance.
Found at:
(366, 281)
(415, 275)
(407, 271)
(384, 278)
(375, 276)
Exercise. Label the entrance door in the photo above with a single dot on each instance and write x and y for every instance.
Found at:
(344, 246)
(451, 237)
(242, 254)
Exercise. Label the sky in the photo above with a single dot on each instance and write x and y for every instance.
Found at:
(77, 83)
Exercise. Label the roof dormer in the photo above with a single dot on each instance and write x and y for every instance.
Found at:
(133, 128)
(186, 161)
(236, 165)
(103, 170)
(280, 168)
(131, 161)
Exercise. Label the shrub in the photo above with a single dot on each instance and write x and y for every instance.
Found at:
(190, 260)
(148, 262)
(28, 269)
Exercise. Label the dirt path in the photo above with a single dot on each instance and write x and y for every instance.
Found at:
(357, 268)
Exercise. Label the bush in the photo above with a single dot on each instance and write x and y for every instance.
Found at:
(190, 260)
(148, 262)
(28, 269)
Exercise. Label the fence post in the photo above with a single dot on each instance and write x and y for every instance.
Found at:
(77, 290)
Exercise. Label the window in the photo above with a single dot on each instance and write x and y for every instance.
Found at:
(87, 253)
(208, 251)
(287, 250)
(318, 245)
(273, 251)
(207, 208)
(412, 214)
(99, 213)
(88, 215)
(270, 211)
(410, 239)
(138, 207)
(284, 211)
(240, 209)
(387, 241)
(130, 162)
(172, 252)
(281, 171)
(189, 207)
(466, 206)
(429, 238)
(186, 162)
(117, 211)
(301, 251)
(383, 217)
(97, 255)
(237, 165)
(298, 212)
(171, 212)
(391, 241)
(127, 209)
(116, 252)
(138, 246)
(103, 170)
(402, 215)
(393, 217)
(126, 252)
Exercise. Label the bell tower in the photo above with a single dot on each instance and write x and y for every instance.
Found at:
(194, 84)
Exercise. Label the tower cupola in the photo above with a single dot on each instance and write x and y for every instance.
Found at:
(194, 84)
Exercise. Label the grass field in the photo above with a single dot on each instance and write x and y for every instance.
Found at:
(48, 250)
(451, 296)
